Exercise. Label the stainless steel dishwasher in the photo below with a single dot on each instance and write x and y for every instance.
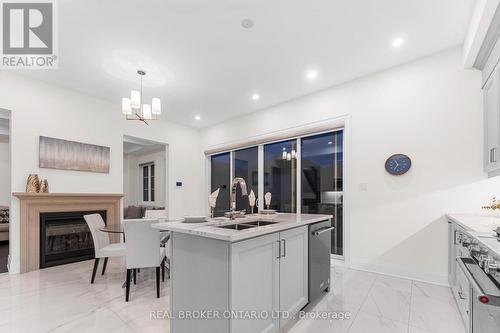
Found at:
(320, 242)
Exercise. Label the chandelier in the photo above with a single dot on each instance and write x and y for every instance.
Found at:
(289, 155)
(133, 108)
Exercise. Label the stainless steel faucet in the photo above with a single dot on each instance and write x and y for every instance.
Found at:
(243, 185)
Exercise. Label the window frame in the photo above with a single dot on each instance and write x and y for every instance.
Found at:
(260, 147)
(333, 124)
(151, 183)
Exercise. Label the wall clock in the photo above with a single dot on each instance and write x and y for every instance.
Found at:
(398, 164)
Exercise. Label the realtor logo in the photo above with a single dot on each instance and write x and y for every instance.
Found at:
(28, 35)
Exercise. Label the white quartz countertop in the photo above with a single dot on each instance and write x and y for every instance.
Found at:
(476, 222)
(210, 230)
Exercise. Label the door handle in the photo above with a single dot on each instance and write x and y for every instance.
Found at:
(322, 231)
(279, 249)
(284, 248)
(473, 282)
(493, 155)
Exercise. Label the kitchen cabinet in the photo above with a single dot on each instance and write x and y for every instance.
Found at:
(270, 274)
(255, 282)
(459, 284)
(461, 291)
(451, 253)
(293, 285)
(487, 59)
(491, 96)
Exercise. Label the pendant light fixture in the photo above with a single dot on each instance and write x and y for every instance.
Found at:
(134, 109)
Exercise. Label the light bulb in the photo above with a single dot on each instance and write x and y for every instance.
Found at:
(135, 99)
(126, 107)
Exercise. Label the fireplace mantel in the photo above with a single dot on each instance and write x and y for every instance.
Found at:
(32, 204)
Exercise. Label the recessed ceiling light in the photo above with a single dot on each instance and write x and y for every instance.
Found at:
(398, 42)
(255, 97)
(329, 142)
(247, 23)
(197, 117)
(312, 74)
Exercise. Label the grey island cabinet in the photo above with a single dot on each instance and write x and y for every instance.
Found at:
(245, 279)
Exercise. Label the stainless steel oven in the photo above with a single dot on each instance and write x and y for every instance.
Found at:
(483, 295)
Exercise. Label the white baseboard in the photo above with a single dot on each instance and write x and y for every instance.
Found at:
(12, 266)
(401, 273)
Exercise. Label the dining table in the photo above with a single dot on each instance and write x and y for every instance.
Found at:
(118, 228)
(114, 229)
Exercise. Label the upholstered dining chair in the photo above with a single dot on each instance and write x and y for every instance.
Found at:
(102, 246)
(165, 235)
(143, 249)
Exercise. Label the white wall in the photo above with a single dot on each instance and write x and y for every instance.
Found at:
(431, 110)
(4, 174)
(131, 178)
(43, 109)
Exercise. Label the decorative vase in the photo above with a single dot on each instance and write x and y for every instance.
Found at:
(44, 186)
(33, 184)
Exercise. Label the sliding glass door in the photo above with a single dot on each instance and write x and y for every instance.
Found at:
(280, 175)
(304, 175)
(322, 181)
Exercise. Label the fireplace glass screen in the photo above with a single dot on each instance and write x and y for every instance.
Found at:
(65, 238)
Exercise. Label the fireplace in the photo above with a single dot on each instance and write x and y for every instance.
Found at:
(65, 238)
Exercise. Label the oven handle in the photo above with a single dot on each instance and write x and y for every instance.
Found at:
(470, 278)
(322, 231)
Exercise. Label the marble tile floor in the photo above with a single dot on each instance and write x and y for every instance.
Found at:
(61, 299)
(383, 304)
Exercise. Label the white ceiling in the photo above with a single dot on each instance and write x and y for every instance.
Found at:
(201, 61)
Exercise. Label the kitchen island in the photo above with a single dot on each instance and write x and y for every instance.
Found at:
(245, 275)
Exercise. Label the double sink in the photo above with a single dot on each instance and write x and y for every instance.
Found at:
(246, 225)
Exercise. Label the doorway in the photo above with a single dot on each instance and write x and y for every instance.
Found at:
(144, 176)
(5, 192)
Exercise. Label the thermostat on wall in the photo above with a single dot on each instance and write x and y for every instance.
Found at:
(178, 184)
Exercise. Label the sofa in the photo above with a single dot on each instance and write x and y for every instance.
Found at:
(4, 223)
(137, 212)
